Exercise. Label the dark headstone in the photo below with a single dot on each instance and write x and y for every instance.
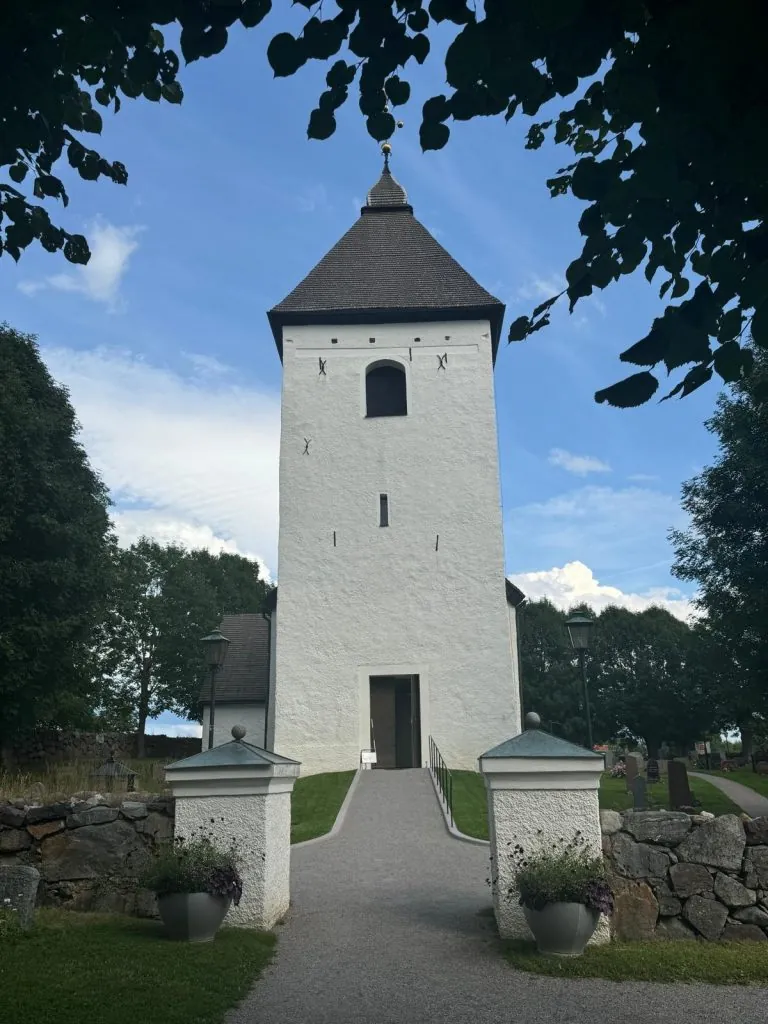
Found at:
(714, 759)
(18, 891)
(631, 773)
(652, 770)
(638, 793)
(679, 789)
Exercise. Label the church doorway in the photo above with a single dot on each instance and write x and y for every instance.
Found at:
(396, 721)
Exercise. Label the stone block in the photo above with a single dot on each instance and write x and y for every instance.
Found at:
(673, 929)
(638, 860)
(93, 851)
(752, 915)
(18, 884)
(13, 840)
(49, 812)
(708, 917)
(99, 815)
(12, 817)
(690, 879)
(733, 893)
(742, 933)
(756, 867)
(756, 829)
(666, 828)
(161, 805)
(635, 913)
(610, 822)
(719, 843)
(133, 810)
(157, 825)
(47, 828)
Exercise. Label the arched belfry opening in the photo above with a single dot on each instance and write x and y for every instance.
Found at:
(386, 393)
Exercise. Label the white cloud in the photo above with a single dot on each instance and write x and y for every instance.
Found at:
(99, 279)
(617, 531)
(581, 465)
(312, 198)
(186, 460)
(643, 478)
(537, 287)
(575, 583)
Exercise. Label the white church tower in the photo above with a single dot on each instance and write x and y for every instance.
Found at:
(394, 621)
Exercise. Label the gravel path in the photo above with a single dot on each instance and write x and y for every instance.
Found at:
(755, 804)
(389, 925)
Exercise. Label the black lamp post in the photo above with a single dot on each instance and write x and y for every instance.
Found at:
(579, 628)
(216, 645)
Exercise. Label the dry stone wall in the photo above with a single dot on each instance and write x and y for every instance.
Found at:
(56, 746)
(89, 849)
(681, 876)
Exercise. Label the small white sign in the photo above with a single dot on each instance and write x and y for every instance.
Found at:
(368, 756)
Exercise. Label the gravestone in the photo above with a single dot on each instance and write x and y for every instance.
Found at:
(18, 891)
(714, 759)
(638, 793)
(609, 759)
(679, 788)
(652, 770)
(631, 773)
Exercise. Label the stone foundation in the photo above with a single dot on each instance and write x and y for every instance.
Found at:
(681, 876)
(90, 849)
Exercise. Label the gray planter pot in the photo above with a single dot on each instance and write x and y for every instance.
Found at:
(562, 929)
(192, 916)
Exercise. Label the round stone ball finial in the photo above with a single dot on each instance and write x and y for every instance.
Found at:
(238, 731)
(532, 720)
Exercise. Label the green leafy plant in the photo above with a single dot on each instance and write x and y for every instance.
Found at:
(565, 872)
(194, 865)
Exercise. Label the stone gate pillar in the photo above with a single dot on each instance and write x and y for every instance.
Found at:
(239, 792)
(540, 789)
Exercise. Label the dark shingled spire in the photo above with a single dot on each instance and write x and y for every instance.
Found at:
(386, 269)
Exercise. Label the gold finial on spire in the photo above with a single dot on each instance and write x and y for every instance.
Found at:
(386, 149)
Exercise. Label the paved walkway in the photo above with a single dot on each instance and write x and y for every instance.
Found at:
(388, 926)
(747, 799)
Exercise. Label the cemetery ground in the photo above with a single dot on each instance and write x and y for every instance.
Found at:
(471, 814)
(72, 967)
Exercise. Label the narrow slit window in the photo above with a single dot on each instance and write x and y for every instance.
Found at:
(383, 510)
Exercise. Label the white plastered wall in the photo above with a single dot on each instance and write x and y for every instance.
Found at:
(427, 592)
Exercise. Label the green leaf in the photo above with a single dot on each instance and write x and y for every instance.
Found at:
(730, 325)
(754, 288)
(418, 21)
(433, 135)
(650, 350)
(254, 11)
(420, 47)
(285, 55)
(759, 326)
(92, 122)
(340, 74)
(381, 126)
(630, 392)
(397, 90)
(152, 91)
(17, 172)
(545, 305)
(518, 329)
(172, 92)
(322, 124)
(682, 284)
(728, 361)
(436, 109)
(76, 249)
(593, 178)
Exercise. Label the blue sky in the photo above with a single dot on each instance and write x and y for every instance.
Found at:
(164, 342)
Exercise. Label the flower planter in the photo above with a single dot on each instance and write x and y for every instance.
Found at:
(192, 916)
(562, 929)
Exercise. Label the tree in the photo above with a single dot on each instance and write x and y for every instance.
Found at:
(54, 547)
(725, 551)
(164, 600)
(667, 129)
(647, 680)
(549, 672)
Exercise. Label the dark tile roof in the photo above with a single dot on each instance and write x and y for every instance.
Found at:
(515, 596)
(244, 677)
(386, 268)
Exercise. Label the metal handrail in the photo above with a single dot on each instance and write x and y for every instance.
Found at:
(441, 773)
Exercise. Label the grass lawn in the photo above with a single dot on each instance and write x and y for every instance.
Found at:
(746, 777)
(614, 796)
(316, 803)
(471, 816)
(470, 806)
(74, 968)
(718, 963)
